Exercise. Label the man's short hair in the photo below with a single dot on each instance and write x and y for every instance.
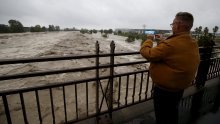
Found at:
(186, 18)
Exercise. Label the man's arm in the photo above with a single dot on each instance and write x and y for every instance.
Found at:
(154, 54)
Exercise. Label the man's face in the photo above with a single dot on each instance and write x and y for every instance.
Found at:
(175, 25)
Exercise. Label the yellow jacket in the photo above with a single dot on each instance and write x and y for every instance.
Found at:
(174, 61)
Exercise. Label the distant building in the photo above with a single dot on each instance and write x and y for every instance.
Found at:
(141, 31)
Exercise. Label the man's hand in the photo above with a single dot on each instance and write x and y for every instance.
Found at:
(159, 38)
(150, 36)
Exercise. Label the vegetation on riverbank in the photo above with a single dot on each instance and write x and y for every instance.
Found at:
(205, 38)
(16, 26)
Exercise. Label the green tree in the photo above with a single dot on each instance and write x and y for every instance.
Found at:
(90, 31)
(105, 35)
(200, 30)
(106, 31)
(44, 29)
(4, 28)
(51, 28)
(119, 32)
(101, 31)
(67, 29)
(196, 31)
(94, 31)
(206, 39)
(206, 31)
(110, 31)
(215, 29)
(57, 28)
(32, 29)
(15, 26)
(74, 29)
(131, 37)
(36, 28)
(83, 31)
(143, 37)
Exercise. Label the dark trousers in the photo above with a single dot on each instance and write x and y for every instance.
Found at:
(166, 105)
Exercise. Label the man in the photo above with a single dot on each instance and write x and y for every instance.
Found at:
(174, 62)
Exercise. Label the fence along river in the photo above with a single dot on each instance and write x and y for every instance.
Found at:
(82, 92)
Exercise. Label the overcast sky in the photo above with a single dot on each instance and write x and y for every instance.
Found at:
(104, 14)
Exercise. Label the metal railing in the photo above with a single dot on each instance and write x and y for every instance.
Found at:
(205, 92)
(87, 97)
(111, 92)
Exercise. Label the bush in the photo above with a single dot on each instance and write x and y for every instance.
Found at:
(38, 28)
(105, 35)
(131, 38)
(4, 28)
(83, 31)
(94, 31)
(15, 26)
(143, 37)
(206, 40)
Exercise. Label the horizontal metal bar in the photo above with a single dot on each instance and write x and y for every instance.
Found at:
(42, 59)
(106, 111)
(51, 72)
(130, 73)
(126, 53)
(130, 104)
(131, 63)
(43, 87)
(58, 58)
(43, 73)
(60, 84)
(216, 52)
(209, 47)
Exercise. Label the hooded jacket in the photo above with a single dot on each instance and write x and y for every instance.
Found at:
(173, 62)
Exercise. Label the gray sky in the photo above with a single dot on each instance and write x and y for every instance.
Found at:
(104, 14)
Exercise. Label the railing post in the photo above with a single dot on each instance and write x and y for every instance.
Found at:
(205, 61)
(97, 82)
(109, 90)
(217, 100)
(7, 111)
(205, 56)
(111, 77)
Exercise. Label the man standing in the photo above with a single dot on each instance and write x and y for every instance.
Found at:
(174, 62)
